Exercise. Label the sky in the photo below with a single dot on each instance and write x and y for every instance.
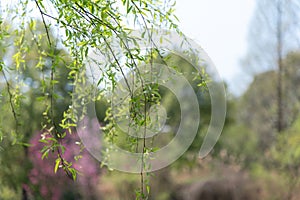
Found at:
(220, 28)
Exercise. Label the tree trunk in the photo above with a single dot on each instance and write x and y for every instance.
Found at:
(280, 117)
(24, 189)
(24, 194)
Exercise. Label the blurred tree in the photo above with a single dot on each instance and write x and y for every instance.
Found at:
(238, 144)
(258, 106)
(273, 33)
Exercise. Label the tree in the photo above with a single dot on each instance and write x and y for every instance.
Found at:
(273, 33)
(259, 102)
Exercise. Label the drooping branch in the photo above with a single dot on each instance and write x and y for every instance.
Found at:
(44, 22)
(11, 99)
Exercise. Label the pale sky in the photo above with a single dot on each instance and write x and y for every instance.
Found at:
(220, 27)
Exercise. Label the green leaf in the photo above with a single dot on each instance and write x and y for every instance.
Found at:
(83, 43)
(154, 149)
(41, 98)
(148, 189)
(43, 141)
(24, 144)
(46, 152)
(57, 162)
(73, 172)
(32, 24)
(86, 52)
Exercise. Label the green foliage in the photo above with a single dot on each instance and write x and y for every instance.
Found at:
(286, 152)
(274, 156)
(272, 184)
(240, 145)
(6, 193)
(265, 107)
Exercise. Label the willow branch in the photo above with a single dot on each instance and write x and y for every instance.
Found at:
(11, 100)
(44, 22)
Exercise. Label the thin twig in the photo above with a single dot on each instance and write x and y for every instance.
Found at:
(44, 22)
(11, 101)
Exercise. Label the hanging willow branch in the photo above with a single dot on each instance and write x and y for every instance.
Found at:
(98, 24)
